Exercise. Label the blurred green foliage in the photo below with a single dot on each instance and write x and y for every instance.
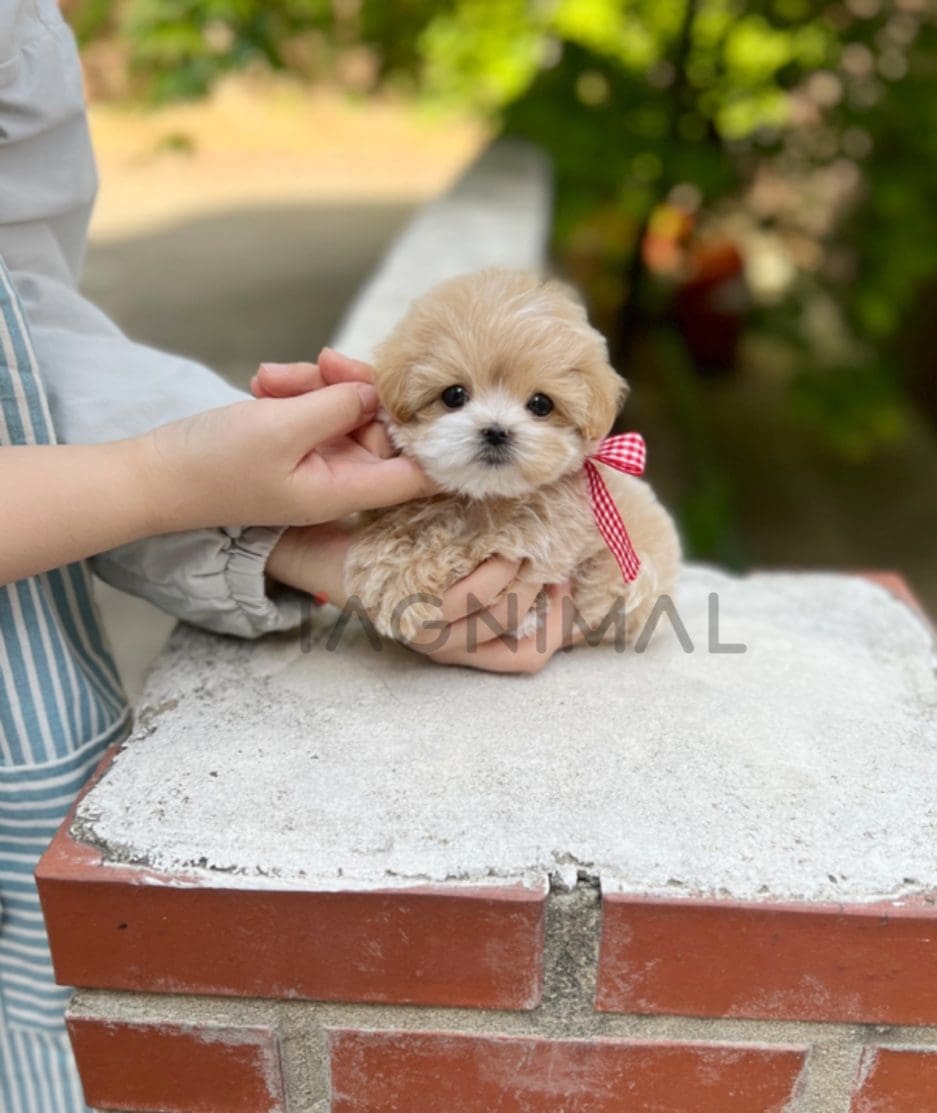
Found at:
(804, 132)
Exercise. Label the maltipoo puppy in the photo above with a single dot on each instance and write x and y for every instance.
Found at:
(498, 386)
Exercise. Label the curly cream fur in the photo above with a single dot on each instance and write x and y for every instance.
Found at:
(504, 336)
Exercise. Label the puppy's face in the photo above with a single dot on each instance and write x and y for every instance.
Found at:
(497, 384)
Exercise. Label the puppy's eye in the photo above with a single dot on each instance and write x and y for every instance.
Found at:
(454, 397)
(540, 405)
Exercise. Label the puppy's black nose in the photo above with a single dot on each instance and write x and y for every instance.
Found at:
(496, 435)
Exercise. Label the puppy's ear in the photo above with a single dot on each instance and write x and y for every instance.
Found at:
(393, 381)
(607, 392)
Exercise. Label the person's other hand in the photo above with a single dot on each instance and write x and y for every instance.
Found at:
(474, 612)
(478, 609)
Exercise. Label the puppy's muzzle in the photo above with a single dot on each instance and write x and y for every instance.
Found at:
(497, 445)
(496, 435)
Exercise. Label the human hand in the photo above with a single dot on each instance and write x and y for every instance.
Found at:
(474, 612)
(286, 380)
(274, 461)
(478, 609)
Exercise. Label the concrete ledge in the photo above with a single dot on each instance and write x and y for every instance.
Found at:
(799, 769)
(697, 879)
(355, 825)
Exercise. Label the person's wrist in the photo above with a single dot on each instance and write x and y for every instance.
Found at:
(312, 559)
(285, 560)
(166, 501)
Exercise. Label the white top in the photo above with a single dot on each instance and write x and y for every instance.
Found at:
(803, 767)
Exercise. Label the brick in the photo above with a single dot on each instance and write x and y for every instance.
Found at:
(863, 963)
(174, 1068)
(900, 588)
(131, 928)
(441, 1072)
(896, 1080)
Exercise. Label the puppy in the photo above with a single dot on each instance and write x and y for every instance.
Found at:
(498, 386)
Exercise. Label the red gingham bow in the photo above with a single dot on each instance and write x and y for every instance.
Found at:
(626, 453)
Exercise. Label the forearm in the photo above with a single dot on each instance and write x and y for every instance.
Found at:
(61, 503)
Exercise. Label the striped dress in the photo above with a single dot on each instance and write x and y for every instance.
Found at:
(61, 704)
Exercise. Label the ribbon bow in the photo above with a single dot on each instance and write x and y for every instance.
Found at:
(626, 453)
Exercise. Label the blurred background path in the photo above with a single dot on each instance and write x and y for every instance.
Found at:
(238, 228)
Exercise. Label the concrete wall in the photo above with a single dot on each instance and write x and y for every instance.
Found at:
(697, 882)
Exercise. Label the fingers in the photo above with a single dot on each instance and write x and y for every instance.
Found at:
(368, 486)
(487, 623)
(374, 438)
(509, 610)
(338, 368)
(286, 380)
(528, 655)
(480, 588)
(333, 411)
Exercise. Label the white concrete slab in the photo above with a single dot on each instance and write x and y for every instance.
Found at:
(804, 767)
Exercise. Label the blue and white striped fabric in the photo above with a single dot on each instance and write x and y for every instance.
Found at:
(61, 704)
